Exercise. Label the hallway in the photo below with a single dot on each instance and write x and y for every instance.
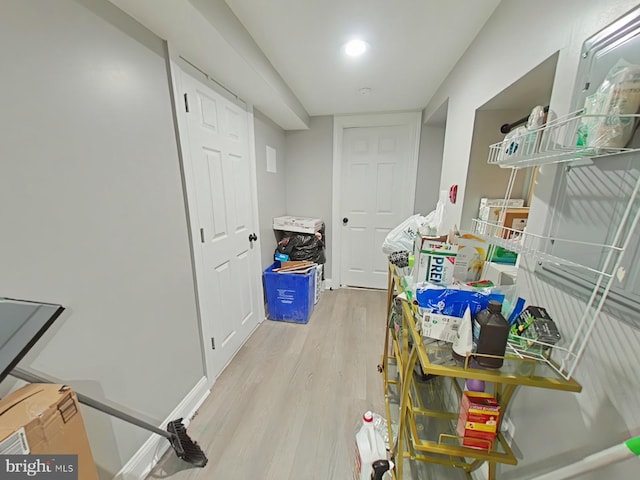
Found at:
(288, 404)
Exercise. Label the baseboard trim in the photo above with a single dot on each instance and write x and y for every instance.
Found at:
(141, 463)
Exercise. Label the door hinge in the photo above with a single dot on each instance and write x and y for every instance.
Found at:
(213, 343)
(202, 235)
(186, 103)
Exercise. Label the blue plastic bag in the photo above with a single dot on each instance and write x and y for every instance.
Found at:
(452, 302)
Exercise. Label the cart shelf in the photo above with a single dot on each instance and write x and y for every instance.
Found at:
(426, 422)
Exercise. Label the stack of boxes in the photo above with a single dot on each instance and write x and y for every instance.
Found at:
(479, 419)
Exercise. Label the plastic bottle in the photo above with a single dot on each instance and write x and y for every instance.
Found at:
(492, 332)
(474, 385)
(370, 447)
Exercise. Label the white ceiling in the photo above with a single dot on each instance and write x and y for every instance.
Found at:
(284, 56)
(414, 44)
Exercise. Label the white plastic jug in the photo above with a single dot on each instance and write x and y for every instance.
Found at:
(369, 448)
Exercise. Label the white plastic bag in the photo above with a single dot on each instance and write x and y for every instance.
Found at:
(432, 224)
(618, 95)
(401, 238)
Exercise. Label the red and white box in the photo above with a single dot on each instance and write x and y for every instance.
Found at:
(478, 420)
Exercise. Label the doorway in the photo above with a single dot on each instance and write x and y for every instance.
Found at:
(216, 136)
(375, 162)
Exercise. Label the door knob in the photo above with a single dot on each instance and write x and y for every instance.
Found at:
(253, 237)
(345, 220)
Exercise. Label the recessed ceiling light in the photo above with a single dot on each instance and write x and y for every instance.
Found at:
(355, 47)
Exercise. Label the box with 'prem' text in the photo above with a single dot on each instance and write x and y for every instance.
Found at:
(434, 261)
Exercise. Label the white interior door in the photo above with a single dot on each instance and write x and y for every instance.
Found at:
(377, 191)
(221, 203)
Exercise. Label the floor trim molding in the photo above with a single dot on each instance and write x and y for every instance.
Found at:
(141, 463)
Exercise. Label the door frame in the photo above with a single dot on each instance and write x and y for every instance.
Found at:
(340, 122)
(178, 66)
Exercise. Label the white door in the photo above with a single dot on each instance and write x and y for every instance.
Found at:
(377, 191)
(218, 172)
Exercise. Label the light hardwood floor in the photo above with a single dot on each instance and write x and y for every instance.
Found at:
(288, 404)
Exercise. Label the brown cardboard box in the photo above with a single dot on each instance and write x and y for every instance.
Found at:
(48, 417)
(515, 218)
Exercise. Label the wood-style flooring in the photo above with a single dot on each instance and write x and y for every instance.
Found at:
(288, 404)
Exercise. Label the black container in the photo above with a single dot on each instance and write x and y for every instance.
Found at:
(492, 334)
(380, 467)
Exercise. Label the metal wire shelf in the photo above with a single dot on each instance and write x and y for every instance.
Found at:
(536, 246)
(557, 141)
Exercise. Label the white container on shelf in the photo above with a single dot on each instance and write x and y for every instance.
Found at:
(291, 223)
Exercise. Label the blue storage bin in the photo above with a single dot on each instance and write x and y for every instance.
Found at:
(289, 295)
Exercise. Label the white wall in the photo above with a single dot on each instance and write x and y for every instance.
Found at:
(429, 168)
(552, 428)
(309, 174)
(505, 50)
(92, 208)
(484, 180)
(272, 187)
(196, 28)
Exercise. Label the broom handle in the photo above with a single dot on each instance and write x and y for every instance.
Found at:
(33, 378)
(617, 453)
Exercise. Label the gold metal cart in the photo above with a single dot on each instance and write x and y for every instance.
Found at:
(437, 409)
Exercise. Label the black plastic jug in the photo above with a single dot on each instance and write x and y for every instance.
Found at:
(492, 331)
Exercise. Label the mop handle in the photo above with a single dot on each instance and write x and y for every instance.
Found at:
(617, 453)
(33, 378)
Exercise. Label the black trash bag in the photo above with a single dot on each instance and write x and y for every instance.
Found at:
(303, 246)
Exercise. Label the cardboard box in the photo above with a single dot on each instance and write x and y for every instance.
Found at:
(45, 419)
(515, 218)
(501, 274)
(290, 223)
(434, 261)
(470, 258)
(535, 324)
(478, 420)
